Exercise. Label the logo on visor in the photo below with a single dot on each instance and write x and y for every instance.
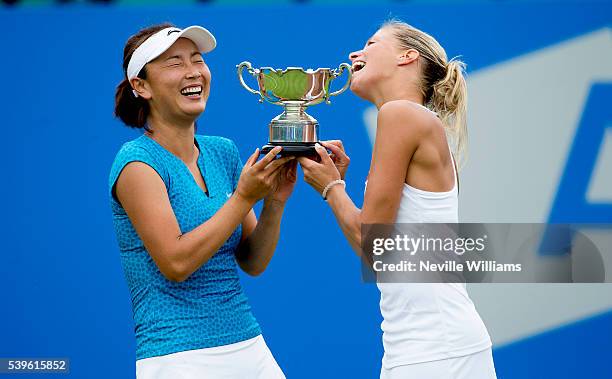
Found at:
(173, 31)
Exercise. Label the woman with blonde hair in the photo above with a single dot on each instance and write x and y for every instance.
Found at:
(430, 330)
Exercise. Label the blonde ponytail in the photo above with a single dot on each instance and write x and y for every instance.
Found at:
(449, 101)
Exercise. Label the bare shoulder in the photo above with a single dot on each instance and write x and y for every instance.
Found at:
(404, 117)
(139, 170)
(136, 179)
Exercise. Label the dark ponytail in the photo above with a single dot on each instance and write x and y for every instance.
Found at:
(132, 110)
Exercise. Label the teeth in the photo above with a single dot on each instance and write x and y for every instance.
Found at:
(191, 90)
(358, 65)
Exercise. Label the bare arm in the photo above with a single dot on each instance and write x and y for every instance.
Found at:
(258, 246)
(392, 152)
(144, 197)
(259, 238)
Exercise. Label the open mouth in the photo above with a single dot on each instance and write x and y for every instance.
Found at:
(192, 91)
(357, 66)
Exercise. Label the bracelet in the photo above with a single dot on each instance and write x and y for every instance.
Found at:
(330, 185)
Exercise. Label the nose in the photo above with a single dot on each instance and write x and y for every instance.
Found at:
(195, 74)
(354, 55)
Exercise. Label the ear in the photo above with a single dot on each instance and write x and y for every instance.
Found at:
(408, 56)
(141, 87)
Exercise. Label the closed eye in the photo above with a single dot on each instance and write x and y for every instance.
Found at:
(198, 57)
(174, 62)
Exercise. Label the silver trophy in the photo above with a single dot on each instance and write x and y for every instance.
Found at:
(295, 89)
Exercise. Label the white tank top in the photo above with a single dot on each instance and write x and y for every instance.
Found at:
(429, 321)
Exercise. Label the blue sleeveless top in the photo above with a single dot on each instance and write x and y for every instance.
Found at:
(209, 308)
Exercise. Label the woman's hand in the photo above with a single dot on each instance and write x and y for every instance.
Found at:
(285, 182)
(258, 179)
(338, 155)
(319, 175)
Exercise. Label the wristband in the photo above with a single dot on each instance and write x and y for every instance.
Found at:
(330, 185)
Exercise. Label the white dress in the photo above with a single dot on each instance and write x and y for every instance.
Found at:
(432, 330)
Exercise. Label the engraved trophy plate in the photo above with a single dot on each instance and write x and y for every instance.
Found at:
(295, 89)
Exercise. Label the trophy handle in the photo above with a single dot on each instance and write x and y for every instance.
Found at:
(251, 71)
(335, 73)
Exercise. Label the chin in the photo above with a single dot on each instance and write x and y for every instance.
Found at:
(359, 90)
(195, 113)
(195, 109)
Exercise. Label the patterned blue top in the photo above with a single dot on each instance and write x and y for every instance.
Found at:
(209, 308)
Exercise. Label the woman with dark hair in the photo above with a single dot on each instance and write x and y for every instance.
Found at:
(430, 330)
(182, 210)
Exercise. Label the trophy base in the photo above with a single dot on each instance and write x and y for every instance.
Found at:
(296, 149)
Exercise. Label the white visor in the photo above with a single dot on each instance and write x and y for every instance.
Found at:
(161, 41)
